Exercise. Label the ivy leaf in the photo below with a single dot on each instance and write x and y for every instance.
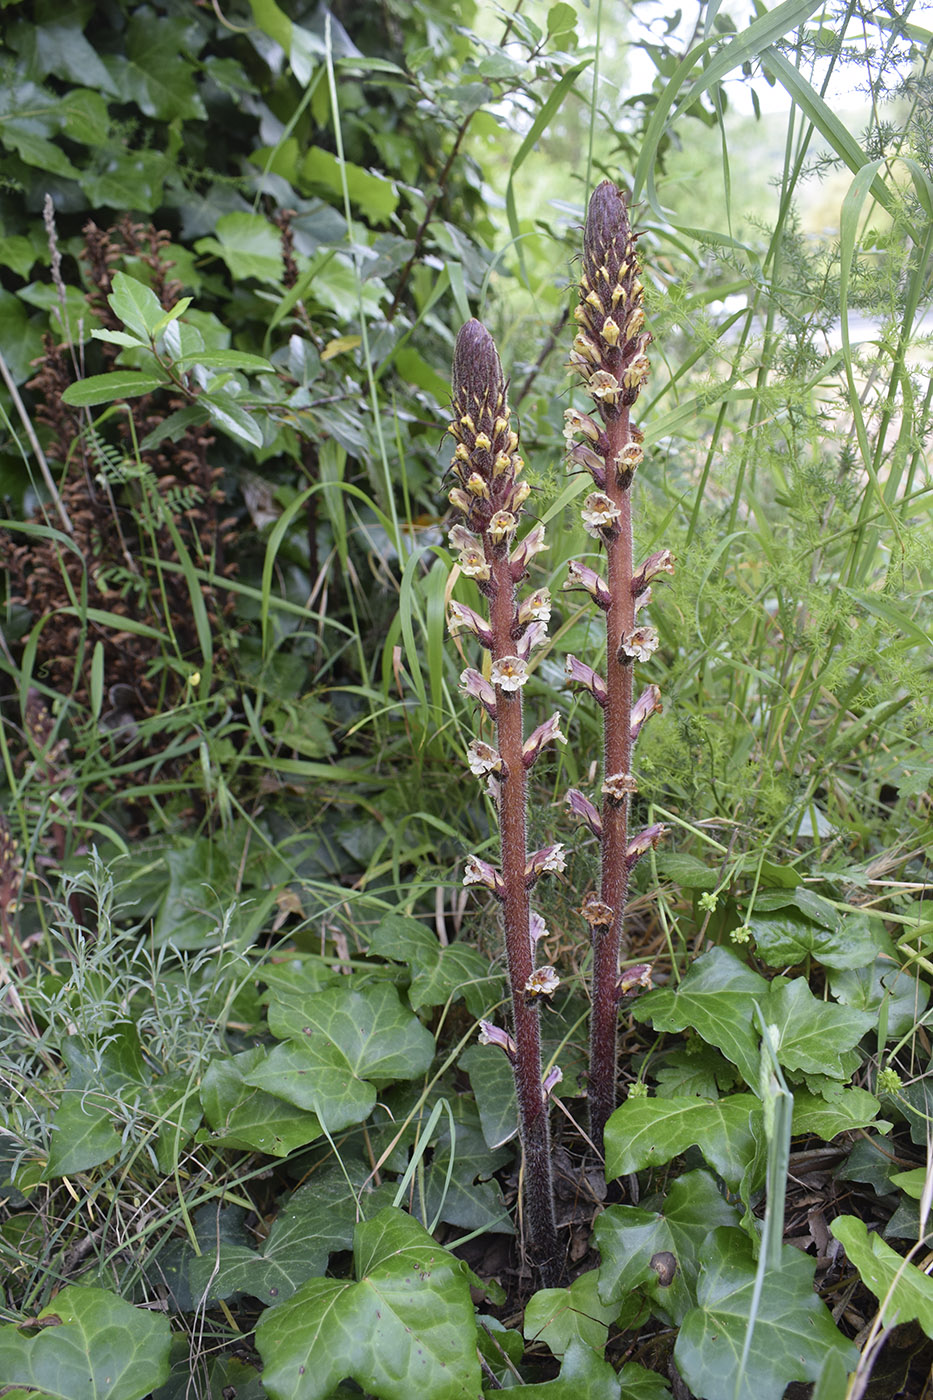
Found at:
(248, 244)
(793, 1331)
(904, 1293)
(161, 76)
(717, 999)
(380, 1038)
(648, 1132)
(245, 1117)
(788, 936)
(316, 1220)
(405, 1328)
(91, 1344)
(814, 1035)
(493, 1085)
(315, 1075)
(586, 1376)
(559, 1316)
(438, 973)
(852, 1109)
(876, 984)
(458, 1186)
(629, 1236)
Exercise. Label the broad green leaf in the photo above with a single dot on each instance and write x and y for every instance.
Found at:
(493, 1085)
(188, 913)
(316, 1220)
(161, 50)
(459, 1185)
(129, 342)
(716, 999)
(405, 1328)
(21, 337)
(853, 1109)
(248, 244)
(686, 871)
(57, 45)
(376, 196)
(793, 1330)
(110, 388)
(786, 937)
(137, 305)
(903, 1291)
(315, 1075)
(584, 1375)
(438, 973)
(380, 1039)
(649, 1132)
(559, 1316)
(91, 1344)
(247, 1118)
(85, 1126)
(18, 253)
(876, 984)
(629, 1236)
(228, 415)
(225, 359)
(814, 1035)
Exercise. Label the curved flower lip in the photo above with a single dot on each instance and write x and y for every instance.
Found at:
(583, 456)
(480, 872)
(536, 607)
(604, 387)
(647, 704)
(534, 635)
(618, 786)
(549, 860)
(661, 562)
(576, 422)
(537, 929)
(639, 644)
(475, 684)
(460, 618)
(483, 758)
(459, 537)
(543, 982)
(634, 979)
(502, 526)
(551, 1080)
(492, 1035)
(583, 808)
(582, 576)
(599, 514)
(509, 673)
(546, 733)
(578, 673)
(646, 840)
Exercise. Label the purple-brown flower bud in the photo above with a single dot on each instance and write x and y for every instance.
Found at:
(537, 928)
(551, 1080)
(546, 733)
(532, 544)
(492, 1035)
(578, 673)
(646, 840)
(583, 808)
(660, 563)
(472, 683)
(647, 704)
(548, 861)
(582, 576)
(485, 459)
(610, 314)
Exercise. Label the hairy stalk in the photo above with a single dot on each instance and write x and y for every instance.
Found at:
(490, 496)
(609, 353)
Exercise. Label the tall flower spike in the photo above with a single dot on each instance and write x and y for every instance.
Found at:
(490, 495)
(609, 354)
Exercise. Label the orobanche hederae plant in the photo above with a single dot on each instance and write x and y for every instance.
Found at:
(491, 498)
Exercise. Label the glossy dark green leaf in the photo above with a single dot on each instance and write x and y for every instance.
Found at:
(629, 1236)
(241, 1116)
(405, 1328)
(91, 1344)
(559, 1316)
(852, 1109)
(493, 1085)
(110, 388)
(876, 984)
(904, 1292)
(315, 1075)
(227, 414)
(584, 1375)
(716, 999)
(793, 1329)
(314, 1222)
(248, 244)
(649, 1132)
(380, 1038)
(814, 1034)
(787, 937)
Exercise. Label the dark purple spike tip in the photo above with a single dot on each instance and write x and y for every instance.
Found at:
(477, 374)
